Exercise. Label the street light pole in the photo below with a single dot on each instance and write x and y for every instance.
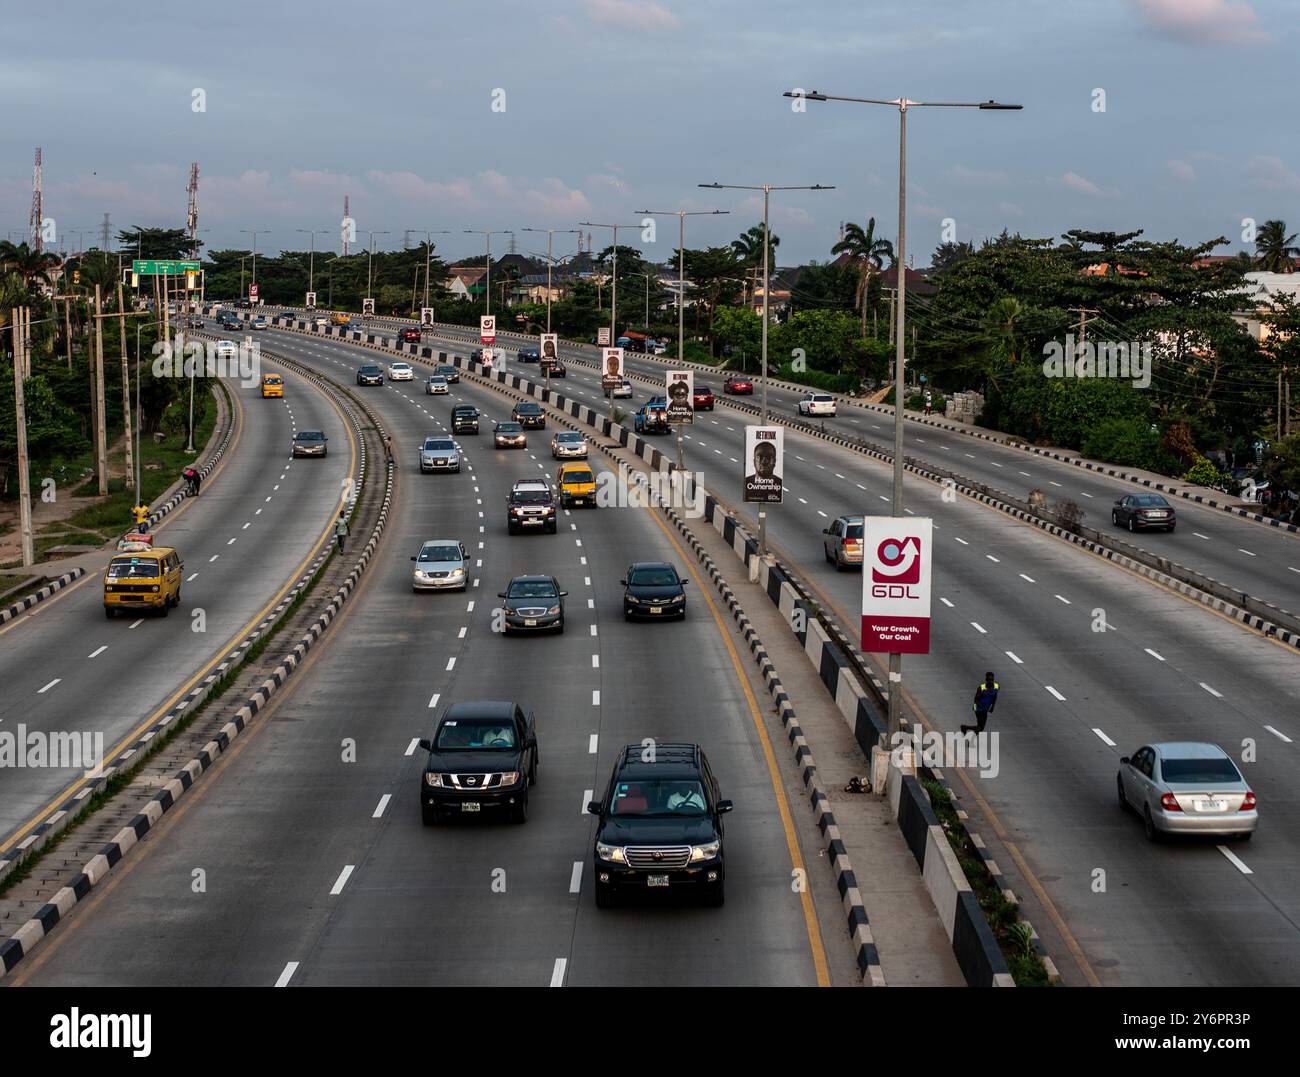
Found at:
(896, 508)
(487, 280)
(370, 262)
(766, 188)
(254, 232)
(550, 233)
(428, 257)
(311, 264)
(613, 291)
(681, 215)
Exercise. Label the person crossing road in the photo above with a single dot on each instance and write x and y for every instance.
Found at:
(986, 698)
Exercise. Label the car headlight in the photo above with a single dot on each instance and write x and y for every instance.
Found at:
(613, 853)
(553, 611)
(509, 612)
(550, 510)
(154, 587)
(705, 852)
(678, 598)
(632, 598)
(510, 777)
(434, 780)
(456, 572)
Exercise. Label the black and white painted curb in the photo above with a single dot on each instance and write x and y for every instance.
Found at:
(157, 514)
(24, 604)
(94, 870)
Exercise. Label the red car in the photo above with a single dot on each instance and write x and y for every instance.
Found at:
(702, 398)
(739, 384)
(409, 335)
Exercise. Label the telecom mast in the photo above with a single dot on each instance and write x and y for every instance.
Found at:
(36, 224)
(346, 218)
(192, 216)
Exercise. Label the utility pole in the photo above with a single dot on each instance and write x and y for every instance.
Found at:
(550, 235)
(20, 417)
(126, 381)
(487, 276)
(67, 327)
(311, 262)
(681, 215)
(101, 440)
(613, 282)
(1083, 313)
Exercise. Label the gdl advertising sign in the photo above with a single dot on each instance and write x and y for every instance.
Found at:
(896, 585)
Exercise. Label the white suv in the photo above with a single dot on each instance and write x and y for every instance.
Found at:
(817, 404)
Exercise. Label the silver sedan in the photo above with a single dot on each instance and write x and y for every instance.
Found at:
(441, 565)
(1184, 787)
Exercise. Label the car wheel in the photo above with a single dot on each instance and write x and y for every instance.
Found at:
(108, 612)
(715, 896)
(512, 529)
(1114, 517)
(604, 897)
(166, 608)
(553, 528)
(1246, 836)
(429, 814)
(1119, 788)
(1131, 527)
(519, 813)
(1171, 528)
(1153, 835)
(559, 628)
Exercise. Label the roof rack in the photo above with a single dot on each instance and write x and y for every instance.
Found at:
(664, 752)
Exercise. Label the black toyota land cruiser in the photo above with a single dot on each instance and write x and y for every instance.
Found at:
(660, 824)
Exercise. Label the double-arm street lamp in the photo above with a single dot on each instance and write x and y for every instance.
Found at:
(902, 104)
(613, 295)
(311, 264)
(370, 262)
(487, 279)
(550, 233)
(428, 256)
(681, 215)
(254, 232)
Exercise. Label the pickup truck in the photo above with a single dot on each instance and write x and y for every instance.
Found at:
(651, 419)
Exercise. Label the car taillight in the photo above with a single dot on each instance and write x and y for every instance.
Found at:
(1247, 802)
(852, 542)
(1170, 802)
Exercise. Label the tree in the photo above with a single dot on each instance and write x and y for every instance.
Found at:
(30, 265)
(869, 253)
(1276, 251)
(168, 243)
(947, 255)
(712, 272)
(749, 249)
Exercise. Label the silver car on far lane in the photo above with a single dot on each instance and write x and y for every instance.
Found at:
(1185, 787)
(441, 565)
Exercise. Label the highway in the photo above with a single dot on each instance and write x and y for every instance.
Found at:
(66, 668)
(1012, 599)
(319, 870)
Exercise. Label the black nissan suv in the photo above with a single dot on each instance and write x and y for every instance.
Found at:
(529, 415)
(482, 758)
(660, 824)
(464, 419)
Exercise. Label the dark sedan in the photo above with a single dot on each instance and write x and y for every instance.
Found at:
(738, 384)
(1143, 512)
(451, 373)
(529, 415)
(482, 758)
(532, 604)
(370, 375)
(653, 589)
(529, 355)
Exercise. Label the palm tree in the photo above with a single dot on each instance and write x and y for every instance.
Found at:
(869, 252)
(749, 248)
(1277, 252)
(1000, 325)
(29, 264)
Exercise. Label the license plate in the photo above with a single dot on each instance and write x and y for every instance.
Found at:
(656, 880)
(469, 805)
(656, 609)
(531, 522)
(530, 622)
(1156, 515)
(1212, 805)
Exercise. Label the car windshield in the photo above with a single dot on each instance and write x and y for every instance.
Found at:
(652, 577)
(465, 409)
(853, 531)
(1153, 501)
(1198, 771)
(508, 428)
(475, 733)
(658, 797)
(579, 476)
(527, 409)
(531, 497)
(531, 589)
(271, 379)
(370, 370)
(446, 370)
(310, 435)
(437, 379)
(132, 568)
(569, 437)
(440, 553)
(439, 444)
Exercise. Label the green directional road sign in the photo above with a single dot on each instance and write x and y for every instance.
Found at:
(162, 267)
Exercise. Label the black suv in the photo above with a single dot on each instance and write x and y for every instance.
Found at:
(653, 589)
(483, 757)
(531, 506)
(529, 355)
(529, 415)
(660, 824)
(370, 375)
(451, 373)
(464, 419)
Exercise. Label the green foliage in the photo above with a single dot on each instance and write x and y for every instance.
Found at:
(825, 338)
(1204, 473)
(740, 329)
(1282, 463)
(1128, 444)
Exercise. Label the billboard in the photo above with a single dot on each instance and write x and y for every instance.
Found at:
(252, 291)
(602, 336)
(549, 351)
(681, 396)
(426, 317)
(764, 464)
(896, 584)
(611, 367)
(367, 307)
(487, 328)
(311, 301)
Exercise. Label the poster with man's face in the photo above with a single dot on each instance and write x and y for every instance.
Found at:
(549, 352)
(311, 300)
(681, 396)
(764, 463)
(611, 367)
(368, 307)
(426, 317)
(487, 328)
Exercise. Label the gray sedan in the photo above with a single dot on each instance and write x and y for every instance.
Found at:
(441, 565)
(439, 454)
(1184, 787)
(310, 443)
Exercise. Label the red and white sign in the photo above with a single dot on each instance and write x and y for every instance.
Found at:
(602, 336)
(487, 328)
(252, 291)
(896, 585)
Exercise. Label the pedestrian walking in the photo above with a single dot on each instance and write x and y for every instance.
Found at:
(341, 529)
(388, 446)
(986, 698)
(192, 480)
(929, 402)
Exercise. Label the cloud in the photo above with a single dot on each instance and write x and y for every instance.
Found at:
(641, 15)
(1077, 183)
(1272, 174)
(1181, 170)
(978, 175)
(1203, 22)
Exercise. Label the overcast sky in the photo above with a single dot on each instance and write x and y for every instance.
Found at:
(615, 106)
